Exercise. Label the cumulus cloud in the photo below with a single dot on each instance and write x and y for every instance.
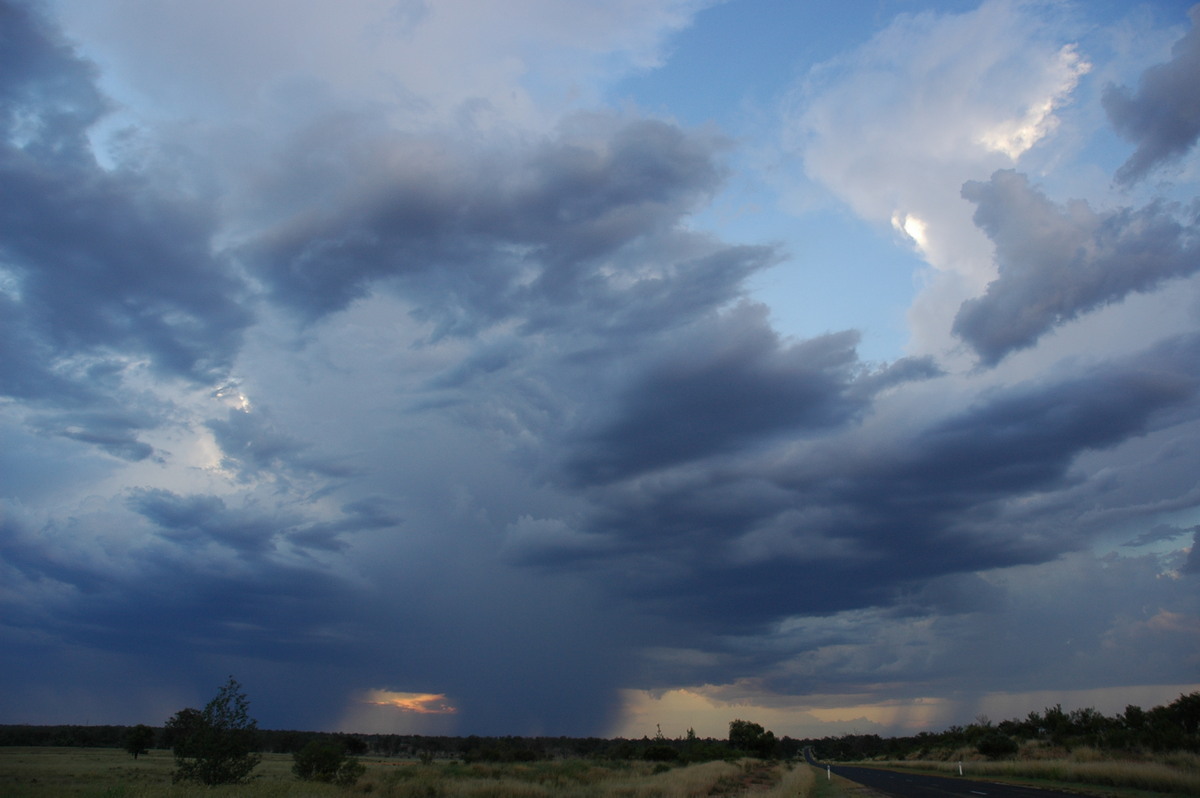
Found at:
(978, 90)
(1161, 117)
(1056, 263)
(894, 128)
(491, 64)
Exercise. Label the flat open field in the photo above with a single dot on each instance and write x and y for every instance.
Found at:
(112, 773)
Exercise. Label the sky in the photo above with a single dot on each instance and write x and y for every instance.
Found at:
(598, 367)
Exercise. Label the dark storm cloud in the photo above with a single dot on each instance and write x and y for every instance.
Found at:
(1160, 533)
(165, 618)
(1058, 262)
(1192, 564)
(720, 390)
(95, 265)
(579, 226)
(47, 94)
(1107, 625)
(197, 520)
(115, 431)
(740, 543)
(1025, 436)
(720, 385)
(1163, 116)
(371, 513)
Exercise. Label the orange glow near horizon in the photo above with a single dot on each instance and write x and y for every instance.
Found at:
(709, 708)
(419, 703)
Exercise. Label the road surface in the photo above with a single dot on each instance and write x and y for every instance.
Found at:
(913, 785)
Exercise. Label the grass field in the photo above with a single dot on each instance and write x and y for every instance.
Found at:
(1173, 774)
(111, 773)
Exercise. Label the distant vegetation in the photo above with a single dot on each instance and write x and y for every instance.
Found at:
(470, 749)
(1171, 727)
(222, 744)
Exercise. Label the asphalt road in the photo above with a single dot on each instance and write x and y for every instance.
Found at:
(912, 785)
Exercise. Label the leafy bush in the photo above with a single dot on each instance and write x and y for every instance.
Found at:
(660, 753)
(997, 745)
(327, 762)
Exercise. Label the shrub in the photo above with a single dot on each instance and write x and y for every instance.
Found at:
(996, 746)
(660, 753)
(327, 762)
(216, 745)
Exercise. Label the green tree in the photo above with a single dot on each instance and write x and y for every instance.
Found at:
(751, 738)
(182, 731)
(137, 741)
(217, 745)
(327, 761)
(1134, 717)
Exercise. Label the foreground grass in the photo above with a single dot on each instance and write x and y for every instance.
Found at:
(1176, 774)
(110, 773)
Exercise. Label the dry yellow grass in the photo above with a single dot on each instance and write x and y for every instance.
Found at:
(1173, 773)
(110, 773)
(568, 778)
(797, 782)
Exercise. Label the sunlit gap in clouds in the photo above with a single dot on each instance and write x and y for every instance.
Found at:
(420, 703)
(708, 709)
(379, 711)
(231, 395)
(1014, 137)
(912, 227)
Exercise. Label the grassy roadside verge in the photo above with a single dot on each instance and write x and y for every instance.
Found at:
(1171, 776)
(824, 786)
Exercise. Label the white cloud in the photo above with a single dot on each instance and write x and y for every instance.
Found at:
(441, 62)
(894, 129)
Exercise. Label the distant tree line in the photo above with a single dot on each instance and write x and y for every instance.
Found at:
(471, 748)
(1174, 726)
(1171, 727)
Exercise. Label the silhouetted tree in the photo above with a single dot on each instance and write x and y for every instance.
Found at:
(751, 738)
(217, 745)
(137, 741)
(326, 760)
